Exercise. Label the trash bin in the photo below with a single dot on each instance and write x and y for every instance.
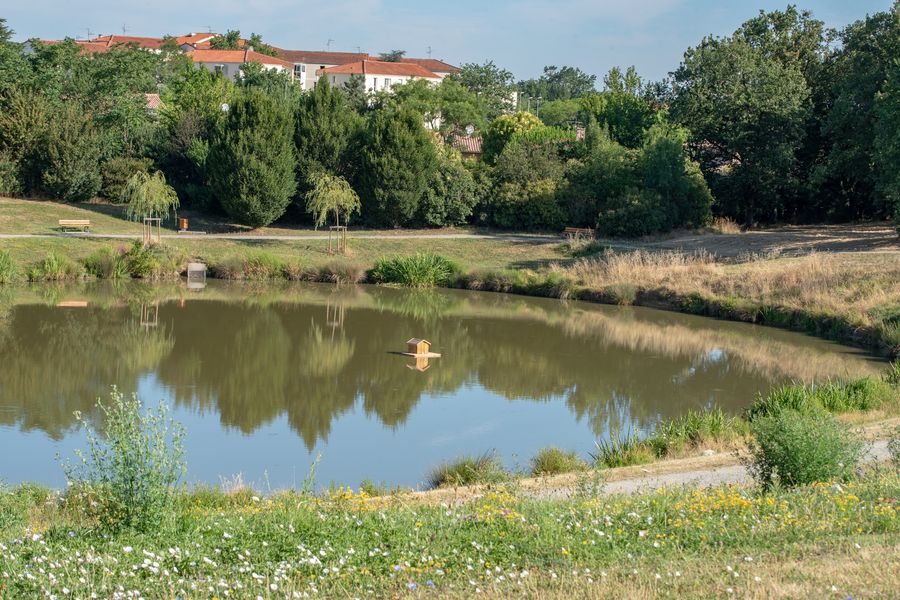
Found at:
(182, 224)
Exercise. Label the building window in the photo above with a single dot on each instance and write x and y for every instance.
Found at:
(219, 69)
(375, 83)
(387, 82)
(333, 79)
(298, 69)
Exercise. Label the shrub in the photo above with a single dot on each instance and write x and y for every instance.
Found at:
(117, 171)
(450, 196)
(633, 214)
(418, 270)
(622, 451)
(106, 263)
(468, 470)
(55, 268)
(793, 448)
(129, 474)
(153, 261)
(550, 461)
(8, 271)
(530, 206)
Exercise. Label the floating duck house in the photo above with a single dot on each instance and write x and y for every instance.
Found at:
(419, 348)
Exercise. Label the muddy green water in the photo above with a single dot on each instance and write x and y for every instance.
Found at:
(267, 377)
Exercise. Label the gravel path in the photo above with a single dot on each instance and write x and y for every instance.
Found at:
(294, 238)
(701, 477)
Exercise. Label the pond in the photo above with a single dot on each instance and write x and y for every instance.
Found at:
(268, 377)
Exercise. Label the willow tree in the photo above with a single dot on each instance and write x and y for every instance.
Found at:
(149, 199)
(331, 194)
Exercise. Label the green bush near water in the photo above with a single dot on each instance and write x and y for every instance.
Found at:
(56, 268)
(128, 477)
(553, 461)
(107, 263)
(833, 397)
(467, 470)
(622, 451)
(791, 448)
(418, 270)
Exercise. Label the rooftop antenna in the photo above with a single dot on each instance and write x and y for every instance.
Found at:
(359, 49)
(89, 33)
(328, 44)
(209, 29)
(124, 29)
(429, 51)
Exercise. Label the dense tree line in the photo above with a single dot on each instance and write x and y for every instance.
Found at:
(781, 121)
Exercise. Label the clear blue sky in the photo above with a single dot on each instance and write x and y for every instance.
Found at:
(520, 35)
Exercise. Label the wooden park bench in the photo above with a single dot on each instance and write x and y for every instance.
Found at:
(577, 233)
(82, 224)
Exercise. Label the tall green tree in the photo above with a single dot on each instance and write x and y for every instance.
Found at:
(12, 64)
(327, 132)
(492, 85)
(451, 193)
(559, 83)
(71, 162)
(252, 159)
(747, 112)
(502, 130)
(888, 142)
(230, 40)
(846, 180)
(392, 56)
(398, 161)
(191, 112)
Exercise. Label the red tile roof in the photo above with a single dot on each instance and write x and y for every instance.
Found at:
(432, 64)
(466, 144)
(237, 56)
(195, 38)
(86, 48)
(312, 57)
(378, 67)
(142, 42)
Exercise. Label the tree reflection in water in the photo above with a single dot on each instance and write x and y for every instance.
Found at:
(313, 353)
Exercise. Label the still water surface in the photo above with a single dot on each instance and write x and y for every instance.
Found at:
(267, 377)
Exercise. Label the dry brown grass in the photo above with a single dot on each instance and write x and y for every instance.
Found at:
(864, 290)
(724, 225)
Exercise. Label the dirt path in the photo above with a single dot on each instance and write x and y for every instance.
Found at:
(295, 238)
(879, 237)
(697, 471)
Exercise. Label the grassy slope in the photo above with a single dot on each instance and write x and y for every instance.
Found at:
(671, 543)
